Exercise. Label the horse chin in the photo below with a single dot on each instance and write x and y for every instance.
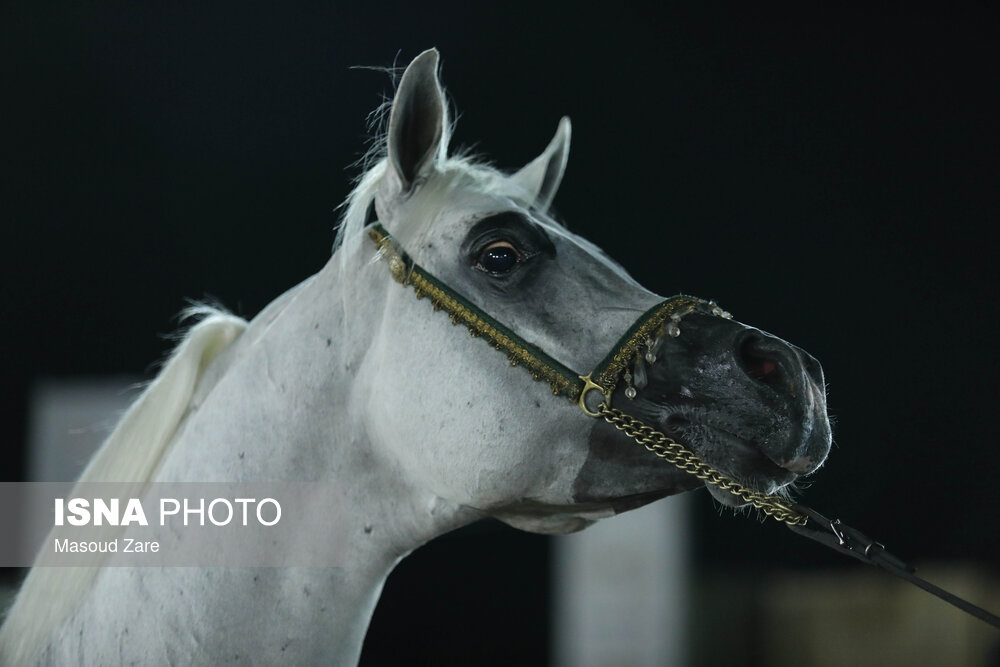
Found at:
(536, 517)
(555, 524)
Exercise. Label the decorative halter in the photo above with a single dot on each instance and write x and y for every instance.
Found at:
(638, 346)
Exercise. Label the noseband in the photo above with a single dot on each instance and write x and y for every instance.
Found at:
(592, 393)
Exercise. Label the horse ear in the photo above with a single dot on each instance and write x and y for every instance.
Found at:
(540, 178)
(418, 121)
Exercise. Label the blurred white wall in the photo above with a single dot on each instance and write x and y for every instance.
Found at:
(68, 421)
(620, 593)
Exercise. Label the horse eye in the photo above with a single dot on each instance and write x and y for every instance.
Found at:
(498, 258)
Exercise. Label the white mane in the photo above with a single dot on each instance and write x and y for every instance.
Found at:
(130, 454)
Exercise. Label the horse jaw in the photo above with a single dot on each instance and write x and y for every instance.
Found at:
(561, 523)
(538, 517)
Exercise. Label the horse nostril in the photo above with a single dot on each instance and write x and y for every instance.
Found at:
(759, 361)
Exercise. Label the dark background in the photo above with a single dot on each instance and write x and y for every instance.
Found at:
(829, 177)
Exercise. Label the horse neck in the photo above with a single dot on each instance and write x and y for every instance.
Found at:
(283, 405)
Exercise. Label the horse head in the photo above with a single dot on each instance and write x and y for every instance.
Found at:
(488, 437)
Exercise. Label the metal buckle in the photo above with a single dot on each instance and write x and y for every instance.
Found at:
(588, 386)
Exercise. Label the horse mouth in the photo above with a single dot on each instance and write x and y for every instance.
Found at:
(738, 457)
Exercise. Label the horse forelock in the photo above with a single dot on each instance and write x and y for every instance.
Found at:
(461, 167)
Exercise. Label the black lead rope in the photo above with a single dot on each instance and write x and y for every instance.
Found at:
(852, 542)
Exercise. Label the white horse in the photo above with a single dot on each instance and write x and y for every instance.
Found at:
(349, 380)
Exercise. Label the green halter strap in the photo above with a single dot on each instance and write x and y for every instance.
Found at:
(564, 381)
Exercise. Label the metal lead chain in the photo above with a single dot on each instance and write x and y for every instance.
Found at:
(677, 454)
